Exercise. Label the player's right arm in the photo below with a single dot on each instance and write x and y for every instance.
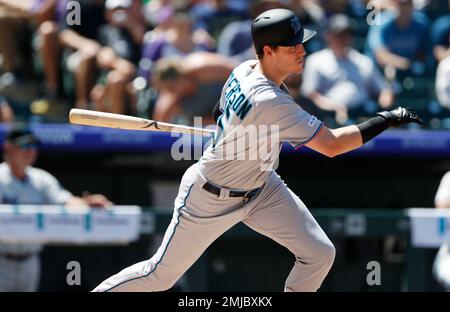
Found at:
(341, 140)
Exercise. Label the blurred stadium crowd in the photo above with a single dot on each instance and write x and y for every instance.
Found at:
(168, 59)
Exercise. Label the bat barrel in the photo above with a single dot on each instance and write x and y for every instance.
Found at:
(119, 121)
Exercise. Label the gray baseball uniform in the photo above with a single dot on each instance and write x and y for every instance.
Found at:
(39, 188)
(240, 158)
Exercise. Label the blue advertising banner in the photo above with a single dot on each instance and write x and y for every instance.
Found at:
(65, 137)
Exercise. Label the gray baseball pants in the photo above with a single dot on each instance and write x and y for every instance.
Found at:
(20, 275)
(200, 217)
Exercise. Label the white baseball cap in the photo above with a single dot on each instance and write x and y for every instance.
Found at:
(114, 4)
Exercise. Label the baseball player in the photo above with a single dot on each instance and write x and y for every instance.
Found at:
(224, 188)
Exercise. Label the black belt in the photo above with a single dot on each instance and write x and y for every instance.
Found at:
(247, 195)
(17, 257)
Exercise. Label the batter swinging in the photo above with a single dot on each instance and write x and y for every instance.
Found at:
(231, 184)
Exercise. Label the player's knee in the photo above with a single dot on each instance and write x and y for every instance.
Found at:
(327, 254)
(323, 254)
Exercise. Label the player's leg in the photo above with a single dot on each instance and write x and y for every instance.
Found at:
(7, 275)
(199, 218)
(19, 275)
(282, 216)
(29, 274)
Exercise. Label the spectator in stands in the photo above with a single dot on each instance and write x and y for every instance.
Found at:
(49, 51)
(190, 86)
(15, 16)
(400, 42)
(179, 39)
(124, 30)
(294, 84)
(333, 7)
(216, 15)
(441, 266)
(159, 12)
(159, 15)
(6, 113)
(83, 55)
(18, 21)
(78, 45)
(443, 82)
(440, 37)
(340, 79)
(21, 183)
(75, 46)
(236, 39)
(121, 39)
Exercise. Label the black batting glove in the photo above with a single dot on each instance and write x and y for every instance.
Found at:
(400, 116)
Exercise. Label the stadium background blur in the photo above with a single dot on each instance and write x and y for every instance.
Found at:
(123, 58)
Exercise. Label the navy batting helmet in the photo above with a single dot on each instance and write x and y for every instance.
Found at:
(279, 27)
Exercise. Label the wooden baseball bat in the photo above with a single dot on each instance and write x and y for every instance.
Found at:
(119, 121)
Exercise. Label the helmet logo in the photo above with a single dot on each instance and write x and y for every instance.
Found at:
(295, 24)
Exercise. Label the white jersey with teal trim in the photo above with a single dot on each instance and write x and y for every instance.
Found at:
(257, 116)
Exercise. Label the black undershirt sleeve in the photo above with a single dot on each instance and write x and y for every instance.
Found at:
(372, 127)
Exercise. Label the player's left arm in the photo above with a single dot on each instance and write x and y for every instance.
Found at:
(333, 142)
